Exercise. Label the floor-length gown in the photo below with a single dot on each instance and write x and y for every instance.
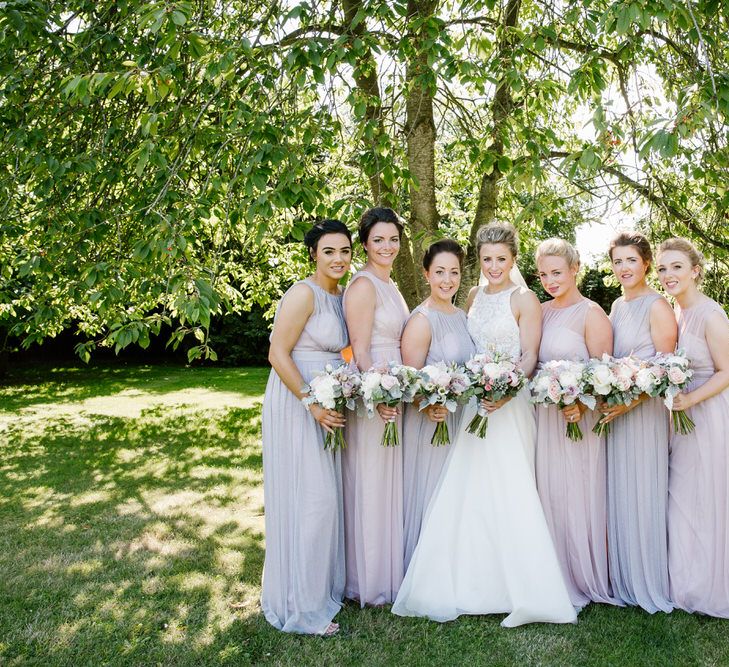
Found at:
(372, 474)
(423, 462)
(637, 466)
(303, 572)
(484, 546)
(571, 476)
(698, 483)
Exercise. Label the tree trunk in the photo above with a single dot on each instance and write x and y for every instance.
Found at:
(420, 138)
(501, 107)
(365, 76)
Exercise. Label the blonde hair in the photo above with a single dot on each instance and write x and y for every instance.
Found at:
(680, 244)
(498, 232)
(555, 247)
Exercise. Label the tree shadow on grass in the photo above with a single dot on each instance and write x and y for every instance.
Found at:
(125, 540)
(35, 384)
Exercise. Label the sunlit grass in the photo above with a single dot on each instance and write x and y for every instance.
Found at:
(131, 509)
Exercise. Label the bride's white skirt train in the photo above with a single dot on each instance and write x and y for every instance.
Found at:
(484, 546)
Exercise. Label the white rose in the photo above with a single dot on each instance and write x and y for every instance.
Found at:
(602, 379)
(568, 378)
(645, 380)
(370, 383)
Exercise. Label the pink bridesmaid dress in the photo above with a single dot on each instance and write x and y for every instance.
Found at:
(698, 484)
(372, 475)
(571, 476)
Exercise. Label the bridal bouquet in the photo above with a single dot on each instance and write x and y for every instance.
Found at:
(391, 385)
(442, 384)
(334, 389)
(614, 381)
(669, 375)
(493, 376)
(561, 383)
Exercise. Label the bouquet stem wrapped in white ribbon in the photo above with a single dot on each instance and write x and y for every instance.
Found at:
(561, 383)
(390, 385)
(334, 389)
(614, 381)
(442, 384)
(669, 375)
(493, 376)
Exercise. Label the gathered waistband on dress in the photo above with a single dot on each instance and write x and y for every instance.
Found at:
(385, 346)
(316, 355)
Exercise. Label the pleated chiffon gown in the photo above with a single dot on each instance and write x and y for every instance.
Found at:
(572, 476)
(372, 475)
(423, 462)
(637, 466)
(698, 483)
(303, 571)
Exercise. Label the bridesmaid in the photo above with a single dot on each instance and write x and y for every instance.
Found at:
(303, 572)
(373, 499)
(571, 476)
(637, 445)
(436, 331)
(698, 481)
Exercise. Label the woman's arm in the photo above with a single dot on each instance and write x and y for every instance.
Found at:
(471, 297)
(664, 330)
(664, 333)
(359, 312)
(293, 313)
(598, 332)
(599, 341)
(717, 339)
(528, 314)
(415, 341)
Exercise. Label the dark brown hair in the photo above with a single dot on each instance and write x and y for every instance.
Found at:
(444, 245)
(636, 239)
(321, 228)
(374, 215)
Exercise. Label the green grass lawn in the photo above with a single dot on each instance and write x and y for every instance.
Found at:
(131, 533)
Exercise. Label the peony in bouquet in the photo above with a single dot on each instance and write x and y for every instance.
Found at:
(391, 385)
(668, 377)
(493, 376)
(442, 384)
(614, 381)
(334, 389)
(561, 383)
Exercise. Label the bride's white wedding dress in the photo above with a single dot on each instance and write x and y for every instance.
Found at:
(484, 547)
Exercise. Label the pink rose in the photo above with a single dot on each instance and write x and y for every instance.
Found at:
(676, 375)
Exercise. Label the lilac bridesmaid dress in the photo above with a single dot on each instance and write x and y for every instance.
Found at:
(637, 465)
(571, 476)
(303, 572)
(698, 484)
(422, 462)
(372, 474)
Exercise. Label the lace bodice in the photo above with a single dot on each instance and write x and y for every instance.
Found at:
(492, 325)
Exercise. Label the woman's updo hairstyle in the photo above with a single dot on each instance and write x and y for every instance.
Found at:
(322, 227)
(685, 246)
(555, 247)
(444, 245)
(635, 239)
(498, 232)
(374, 215)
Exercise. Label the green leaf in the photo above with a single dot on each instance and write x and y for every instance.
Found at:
(178, 18)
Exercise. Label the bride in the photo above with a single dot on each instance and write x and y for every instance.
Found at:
(484, 547)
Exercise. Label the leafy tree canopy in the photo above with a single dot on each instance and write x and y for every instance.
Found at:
(161, 160)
